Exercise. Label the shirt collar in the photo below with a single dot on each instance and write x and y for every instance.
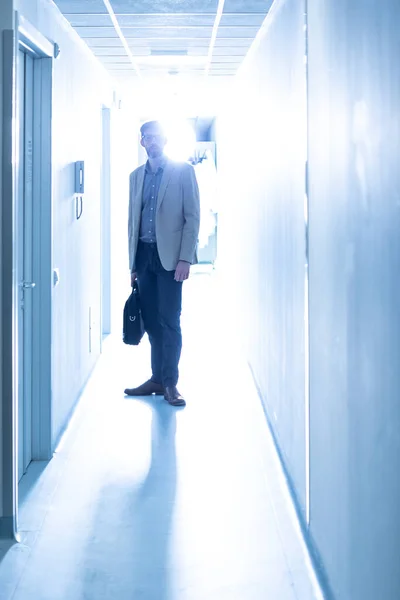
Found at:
(160, 168)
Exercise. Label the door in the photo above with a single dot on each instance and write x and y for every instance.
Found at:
(25, 260)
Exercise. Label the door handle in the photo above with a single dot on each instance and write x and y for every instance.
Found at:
(27, 285)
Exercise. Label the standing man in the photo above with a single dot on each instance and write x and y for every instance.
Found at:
(163, 228)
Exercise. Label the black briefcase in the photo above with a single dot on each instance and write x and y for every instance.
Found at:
(133, 330)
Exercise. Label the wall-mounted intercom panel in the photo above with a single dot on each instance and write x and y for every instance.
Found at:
(79, 177)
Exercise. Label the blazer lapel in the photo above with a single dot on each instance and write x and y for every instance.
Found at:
(168, 169)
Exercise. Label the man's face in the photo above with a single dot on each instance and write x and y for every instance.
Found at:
(154, 141)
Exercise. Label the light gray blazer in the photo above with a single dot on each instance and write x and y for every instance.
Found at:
(177, 214)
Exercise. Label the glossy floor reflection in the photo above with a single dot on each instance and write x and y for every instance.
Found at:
(143, 501)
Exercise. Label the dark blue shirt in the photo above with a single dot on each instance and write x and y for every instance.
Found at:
(151, 187)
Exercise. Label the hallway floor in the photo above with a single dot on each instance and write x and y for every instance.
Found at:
(142, 501)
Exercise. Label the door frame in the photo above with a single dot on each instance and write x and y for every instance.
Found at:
(42, 50)
(25, 36)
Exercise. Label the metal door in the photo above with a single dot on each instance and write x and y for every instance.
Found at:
(25, 262)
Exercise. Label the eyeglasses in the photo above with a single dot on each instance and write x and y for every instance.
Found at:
(148, 138)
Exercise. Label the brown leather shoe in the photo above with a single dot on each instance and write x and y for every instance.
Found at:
(146, 389)
(173, 397)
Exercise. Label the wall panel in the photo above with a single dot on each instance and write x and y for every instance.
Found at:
(80, 88)
(354, 99)
(261, 160)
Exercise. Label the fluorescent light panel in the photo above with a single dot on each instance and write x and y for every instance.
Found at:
(170, 58)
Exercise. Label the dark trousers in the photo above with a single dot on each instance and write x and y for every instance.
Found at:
(161, 304)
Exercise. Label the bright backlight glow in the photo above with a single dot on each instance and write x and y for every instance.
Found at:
(181, 139)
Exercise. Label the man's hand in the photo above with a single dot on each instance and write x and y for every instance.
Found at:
(182, 271)
(133, 278)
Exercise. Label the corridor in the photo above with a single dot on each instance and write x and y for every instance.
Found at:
(143, 501)
(288, 112)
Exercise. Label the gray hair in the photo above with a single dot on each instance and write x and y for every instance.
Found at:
(150, 124)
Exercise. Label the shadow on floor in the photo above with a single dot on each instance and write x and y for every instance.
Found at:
(30, 481)
(129, 549)
(5, 547)
(12, 560)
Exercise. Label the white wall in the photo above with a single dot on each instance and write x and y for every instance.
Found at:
(125, 132)
(81, 86)
(354, 248)
(354, 149)
(261, 139)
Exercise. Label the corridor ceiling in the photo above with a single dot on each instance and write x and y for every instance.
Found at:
(146, 39)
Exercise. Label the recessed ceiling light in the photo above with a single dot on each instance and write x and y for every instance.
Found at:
(171, 60)
(157, 52)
